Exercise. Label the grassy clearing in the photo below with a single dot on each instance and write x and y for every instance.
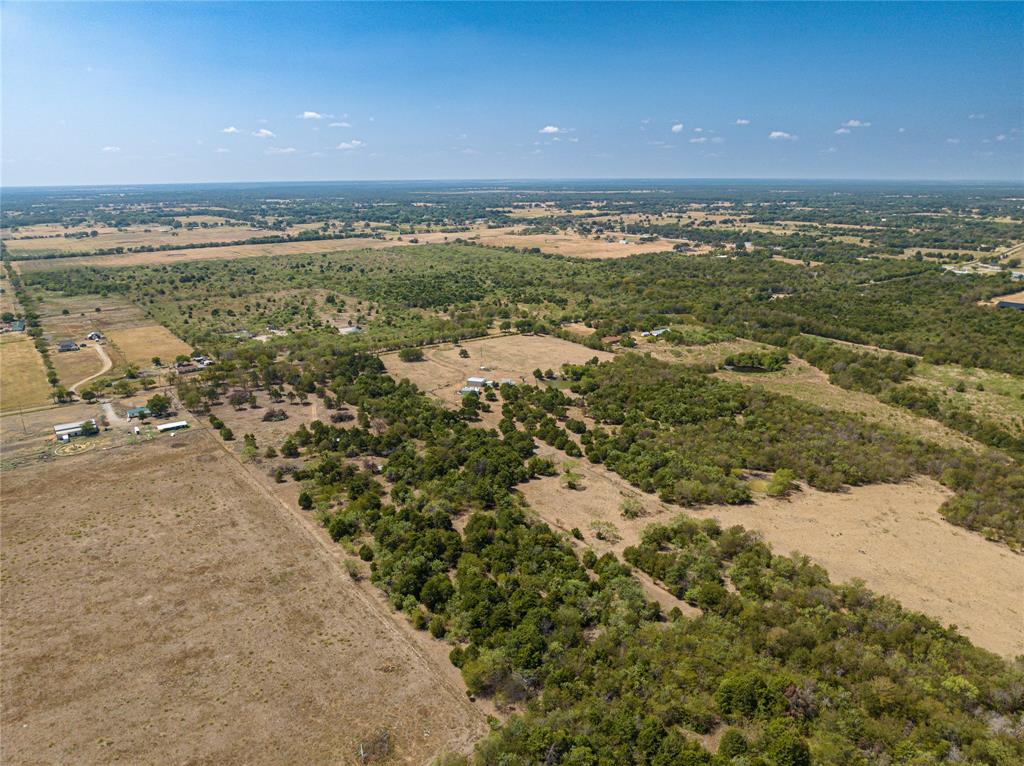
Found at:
(990, 395)
(22, 374)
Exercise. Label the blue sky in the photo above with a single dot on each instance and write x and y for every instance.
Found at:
(165, 92)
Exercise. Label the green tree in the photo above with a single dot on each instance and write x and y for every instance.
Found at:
(159, 405)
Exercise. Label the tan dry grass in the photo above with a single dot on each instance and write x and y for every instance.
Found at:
(73, 366)
(443, 372)
(179, 614)
(807, 383)
(134, 236)
(140, 344)
(206, 253)
(891, 536)
(22, 373)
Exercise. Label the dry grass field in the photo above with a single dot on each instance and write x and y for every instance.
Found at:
(139, 345)
(206, 253)
(132, 236)
(891, 536)
(131, 336)
(443, 372)
(570, 244)
(995, 396)
(807, 383)
(182, 614)
(86, 313)
(73, 366)
(22, 374)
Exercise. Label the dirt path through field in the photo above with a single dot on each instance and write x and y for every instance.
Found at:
(107, 364)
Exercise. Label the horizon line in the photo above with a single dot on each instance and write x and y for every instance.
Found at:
(526, 179)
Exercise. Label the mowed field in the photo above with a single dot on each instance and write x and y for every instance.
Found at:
(891, 536)
(22, 374)
(160, 607)
(443, 372)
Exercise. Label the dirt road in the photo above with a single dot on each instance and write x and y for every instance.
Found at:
(107, 364)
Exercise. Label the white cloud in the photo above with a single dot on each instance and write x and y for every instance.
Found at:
(229, 129)
(341, 124)
(742, 121)
(902, 130)
(355, 143)
(222, 150)
(264, 133)
(308, 115)
(677, 128)
(842, 131)
(781, 135)
(718, 140)
(830, 150)
(698, 130)
(975, 116)
(952, 140)
(550, 130)
(1001, 137)
(856, 124)
(281, 150)
(470, 152)
(111, 149)
(573, 140)
(699, 140)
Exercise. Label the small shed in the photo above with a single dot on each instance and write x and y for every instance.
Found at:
(172, 426)
(67, 345)
(476, 381)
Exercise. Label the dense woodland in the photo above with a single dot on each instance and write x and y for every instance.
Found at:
(903, 305)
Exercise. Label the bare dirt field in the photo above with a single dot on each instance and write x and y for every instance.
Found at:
(183, 615)
(443, 372)
(22, 374)
(889, 535)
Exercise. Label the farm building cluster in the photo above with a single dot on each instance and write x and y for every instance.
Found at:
(477, 383)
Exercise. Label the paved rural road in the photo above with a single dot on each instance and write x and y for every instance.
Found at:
(107, 364)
